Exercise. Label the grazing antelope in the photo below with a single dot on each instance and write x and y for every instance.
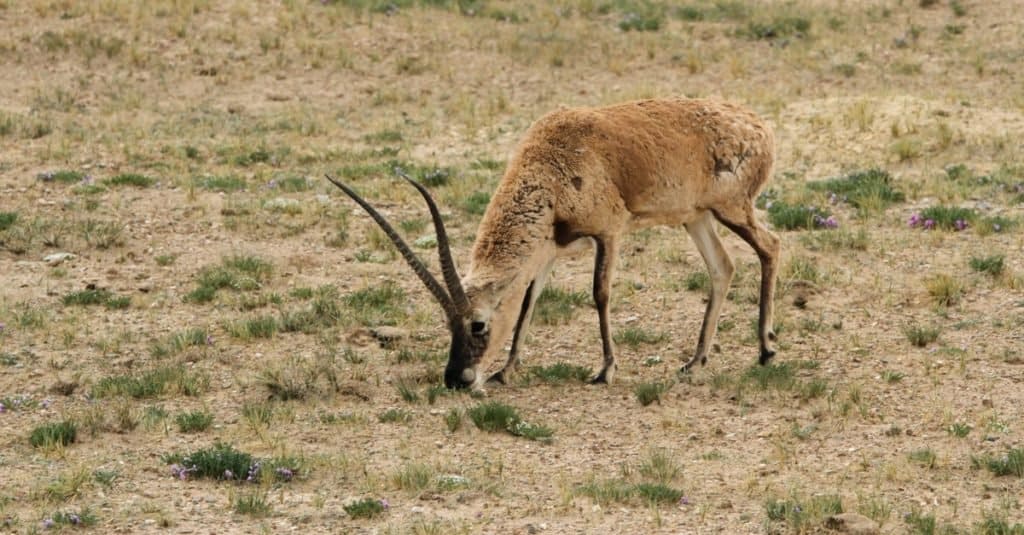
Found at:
(592, 174)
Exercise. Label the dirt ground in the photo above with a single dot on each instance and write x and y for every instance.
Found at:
(236, 110)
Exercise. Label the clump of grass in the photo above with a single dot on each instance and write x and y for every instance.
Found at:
(647, 393)
(959, 429)
(944, 290)
(194, 421)
(621, 491)
(130, 179)
(836, 239)
(891, 376)
(556, 306)
(86, 297)
(944, 217)
(257, 327)
(992, 265)
(237, 272)
(7, 220)
(395, 416)
(179, 341)
(779, 27)
(476, 203)
(224, 183)
(101, 234)
(366, 508)
(778, 376)
(220, 462)
(150, 384)
(54, 434)
(869, 190)
(803, 516)
(634, 336)
(921, 336)
(648, 20)
(96, 296)
(1011, 464)
(496, 416)
(660, 466)
(83, 518)
(63, 176)
(924, 457)
(797, 216)
(254, 504)
(377, 305)
(698, 280)
(560, 372)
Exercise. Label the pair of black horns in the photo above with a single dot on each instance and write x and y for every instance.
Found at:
(454, 300)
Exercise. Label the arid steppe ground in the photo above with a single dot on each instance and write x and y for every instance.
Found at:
(219, 291)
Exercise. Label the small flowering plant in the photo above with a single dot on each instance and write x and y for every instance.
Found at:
(942, 217)
(223, 462)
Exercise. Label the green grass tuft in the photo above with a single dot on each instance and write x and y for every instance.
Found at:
(130, 179)
(495, 416)
(55, 434)
(556, 306)
(192, 422)
(647, 393)
(561, 372)
(869, 190)
(365, 508)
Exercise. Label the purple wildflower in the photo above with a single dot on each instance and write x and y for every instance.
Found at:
(87, 179)
(209, 339)
(2, 408)
(960, 224)
(285, 473)
(832, 198)
(684, 501)
(1, 328)
(384, 503)
(929, 224)
(228, 474)
(915, 220)
(272, 184)
(46, 403)
(48, 523)
(179, 471)
(74, 519)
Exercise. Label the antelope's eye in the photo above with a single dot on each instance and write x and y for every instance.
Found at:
(477, 327)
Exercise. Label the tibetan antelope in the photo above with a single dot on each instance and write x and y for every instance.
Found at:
(592, 174)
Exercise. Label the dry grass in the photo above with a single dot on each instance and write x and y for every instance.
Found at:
(230, 112)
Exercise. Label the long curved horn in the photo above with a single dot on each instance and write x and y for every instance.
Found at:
(444, 252)
(414, 261)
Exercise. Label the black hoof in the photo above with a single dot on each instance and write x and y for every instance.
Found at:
(601, 379)
(766, 357)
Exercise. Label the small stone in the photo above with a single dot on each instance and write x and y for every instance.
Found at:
(852, 523)
(57, 259)
(388, 335)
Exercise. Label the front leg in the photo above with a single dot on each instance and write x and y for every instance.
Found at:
(604, 263)
(523, 324)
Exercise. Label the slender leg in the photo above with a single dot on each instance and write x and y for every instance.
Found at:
(604, 263)
(523, 324)
(766, 244)
(721, 268)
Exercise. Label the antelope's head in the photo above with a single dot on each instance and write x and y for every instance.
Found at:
(469, 329)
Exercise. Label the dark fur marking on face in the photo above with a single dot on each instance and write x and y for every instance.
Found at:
(577, 182)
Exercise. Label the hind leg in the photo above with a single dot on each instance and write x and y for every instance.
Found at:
(721, 269)
(766, 244)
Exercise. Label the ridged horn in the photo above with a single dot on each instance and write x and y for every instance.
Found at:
(410, 257)
(444, 252)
